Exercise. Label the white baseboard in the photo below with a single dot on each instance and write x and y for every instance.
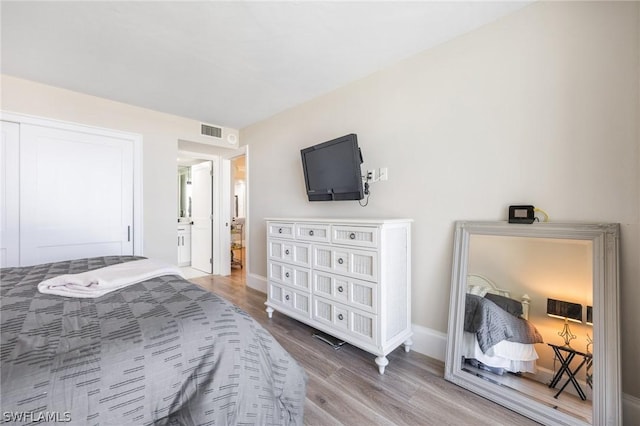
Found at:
(433, 343)
(630, 410)
(425, 340)
(257, 282)
(429, 342)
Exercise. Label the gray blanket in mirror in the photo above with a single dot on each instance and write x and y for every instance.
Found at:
(491, 324)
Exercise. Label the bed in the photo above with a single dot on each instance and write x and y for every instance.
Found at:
(497, 334)
(163, 351)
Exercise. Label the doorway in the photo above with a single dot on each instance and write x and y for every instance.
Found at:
(195, 200)
(229, 219)
(238, 214)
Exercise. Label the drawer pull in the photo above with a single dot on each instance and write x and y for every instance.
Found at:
(287, 297)
(280, 231)
(286, 251)
(286, 275)
(340, 317)
(340, 289)
(311, 233)
(340, 261)
(352, 236)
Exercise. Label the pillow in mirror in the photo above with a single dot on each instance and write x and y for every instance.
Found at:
(514, 307)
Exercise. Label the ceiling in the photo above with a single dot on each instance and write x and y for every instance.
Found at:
(224, 63)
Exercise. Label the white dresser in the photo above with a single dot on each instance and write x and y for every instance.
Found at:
(348, 278)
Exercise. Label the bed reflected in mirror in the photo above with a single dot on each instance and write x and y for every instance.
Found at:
(521, 331)
(515, 277)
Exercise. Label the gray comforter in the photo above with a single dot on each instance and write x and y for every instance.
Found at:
(163, 351)
(491, 324)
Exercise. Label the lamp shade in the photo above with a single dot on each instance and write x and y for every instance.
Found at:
(564, 310)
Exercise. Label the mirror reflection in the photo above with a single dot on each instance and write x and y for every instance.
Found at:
(184, 193)
(554, 287)
(525, 323)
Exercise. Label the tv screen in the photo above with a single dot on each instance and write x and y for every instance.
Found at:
(332, 170)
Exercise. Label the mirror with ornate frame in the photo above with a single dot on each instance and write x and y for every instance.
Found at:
(540, 371)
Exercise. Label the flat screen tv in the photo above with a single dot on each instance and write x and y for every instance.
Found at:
(332, 170)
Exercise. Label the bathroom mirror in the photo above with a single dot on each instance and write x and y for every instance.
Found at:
(184, 193)
(519, 293)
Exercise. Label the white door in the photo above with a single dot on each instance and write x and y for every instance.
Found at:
(225, 217)
(76, 196)
(9, 195)
(227, 206)
(202, 217)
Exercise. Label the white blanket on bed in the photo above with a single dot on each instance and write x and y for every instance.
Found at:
(101, 281)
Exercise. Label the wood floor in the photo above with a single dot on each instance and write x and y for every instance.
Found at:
(344, 386)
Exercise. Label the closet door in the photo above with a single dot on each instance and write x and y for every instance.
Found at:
(9, 195)
(76, 195)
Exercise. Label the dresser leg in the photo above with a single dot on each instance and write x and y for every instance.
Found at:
(407, 344)
(269, 311)
(382, 362)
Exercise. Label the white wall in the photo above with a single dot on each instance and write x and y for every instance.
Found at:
(161, 133)
(540, 107)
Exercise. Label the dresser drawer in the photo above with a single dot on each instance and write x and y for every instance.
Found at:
(290, 252)
(360, 236)
(294, 301)
(359, 294)
(280, 230)
(357, 324)
(313, 232)
(361, 264)
(290, 275)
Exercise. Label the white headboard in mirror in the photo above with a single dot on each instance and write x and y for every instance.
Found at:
(600, 242)
(480, 285)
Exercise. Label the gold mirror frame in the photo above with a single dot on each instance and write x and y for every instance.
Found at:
(607, 406)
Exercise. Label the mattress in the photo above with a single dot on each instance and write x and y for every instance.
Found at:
(163, 351)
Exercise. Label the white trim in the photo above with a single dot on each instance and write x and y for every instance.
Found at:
(135, 138)
(11, 203)
(247, 210)
(432, 343)
(239, 152)
(257, 282)
(224, 215)
(138, 205)
(426, 341)
(630, 410)
(218, 225)
(429, 342)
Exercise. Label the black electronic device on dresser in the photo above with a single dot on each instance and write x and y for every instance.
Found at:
(332, 170)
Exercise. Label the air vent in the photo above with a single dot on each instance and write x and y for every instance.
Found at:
(207, 130)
